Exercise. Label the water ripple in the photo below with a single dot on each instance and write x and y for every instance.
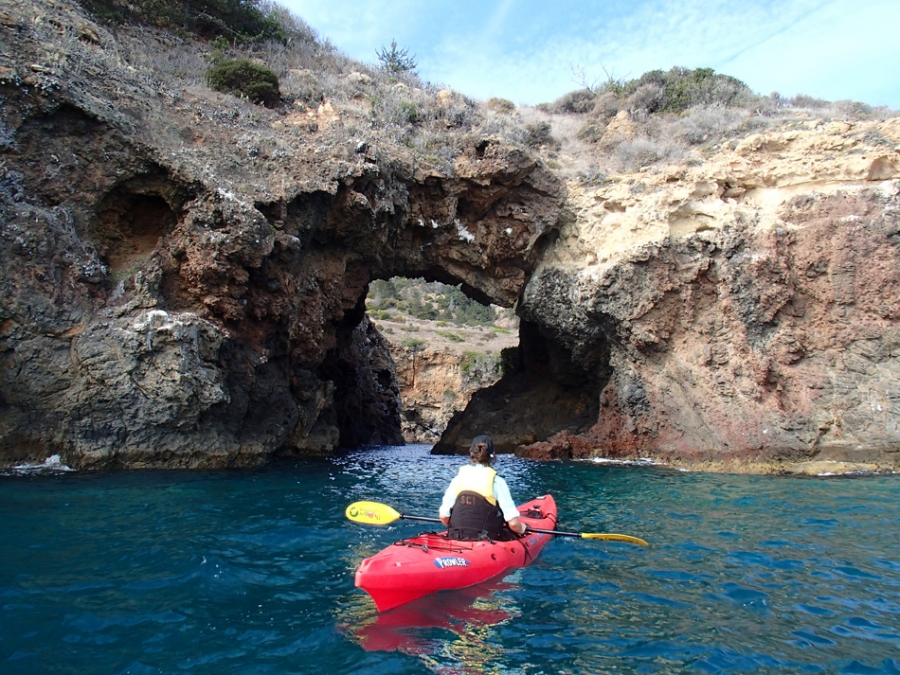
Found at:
(251, 572)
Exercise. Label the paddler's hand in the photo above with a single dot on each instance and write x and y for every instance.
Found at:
(517, 526)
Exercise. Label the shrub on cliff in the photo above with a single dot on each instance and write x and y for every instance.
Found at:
(671, 91)
(243, 77)
(241, 20)
(501, 105)
(539, 133)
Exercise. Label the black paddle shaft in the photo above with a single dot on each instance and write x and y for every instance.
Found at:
(539, 530)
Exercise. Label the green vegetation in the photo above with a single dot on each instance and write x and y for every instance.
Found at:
(236, 20)
(430, 301)
(396, 60)
(453, 337)
(263, 53)
(414, 345)
(677, 116)
(672, 91)
(244, 77)
(481, 366)
(501, 105)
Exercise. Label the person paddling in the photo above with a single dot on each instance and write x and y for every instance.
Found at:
(477, 503)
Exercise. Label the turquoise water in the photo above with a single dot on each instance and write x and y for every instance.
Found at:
(252, 573)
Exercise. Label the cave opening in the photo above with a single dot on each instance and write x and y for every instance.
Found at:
(446, 343)
(543, 391)
(130, 222)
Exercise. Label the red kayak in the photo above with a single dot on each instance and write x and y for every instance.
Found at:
(432, 562)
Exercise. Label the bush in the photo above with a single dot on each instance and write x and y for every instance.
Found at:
(448, 335)
(580, 101)
(241, 20)
(396, 60)
(479, 366)
(243, 77)
(708, 123)
(684, 88)
(606, 106)
(672, 91)
(646, 99)
(804, 101)
(415, 345)
(501, 105)
(539, 134)
(408, 112)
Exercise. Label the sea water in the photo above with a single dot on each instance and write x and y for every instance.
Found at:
(251, 572)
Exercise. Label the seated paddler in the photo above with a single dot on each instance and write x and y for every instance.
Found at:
(477, 503)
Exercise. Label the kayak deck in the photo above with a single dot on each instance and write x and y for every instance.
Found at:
(431, 562)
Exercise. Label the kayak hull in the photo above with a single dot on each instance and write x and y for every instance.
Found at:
(432, 562)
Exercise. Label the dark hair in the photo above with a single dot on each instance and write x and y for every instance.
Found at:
(482, 450)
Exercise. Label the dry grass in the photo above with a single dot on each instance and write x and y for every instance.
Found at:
(434, 335)
(617, 127)
(587, 135)
(593, 146)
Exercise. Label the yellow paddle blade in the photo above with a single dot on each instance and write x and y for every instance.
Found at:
(371, 513)
(614, 537)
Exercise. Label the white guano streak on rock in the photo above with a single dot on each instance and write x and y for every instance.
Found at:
(464, 234)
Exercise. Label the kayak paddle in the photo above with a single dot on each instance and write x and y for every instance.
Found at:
(373, 513)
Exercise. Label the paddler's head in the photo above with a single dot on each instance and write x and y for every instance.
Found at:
(482, 450)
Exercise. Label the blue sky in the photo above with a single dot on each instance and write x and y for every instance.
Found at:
(527, 50)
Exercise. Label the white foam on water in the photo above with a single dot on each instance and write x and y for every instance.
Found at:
(641, 461)
(52, 463)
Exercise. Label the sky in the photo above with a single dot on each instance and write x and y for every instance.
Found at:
(531, 51)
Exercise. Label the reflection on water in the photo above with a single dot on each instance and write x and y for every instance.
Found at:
(450, 632)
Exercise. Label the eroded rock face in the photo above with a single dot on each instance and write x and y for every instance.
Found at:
(749, 307)
(196, 304)
(433, 387)
(545, 392)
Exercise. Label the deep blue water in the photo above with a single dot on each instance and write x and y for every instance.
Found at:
(252, 572)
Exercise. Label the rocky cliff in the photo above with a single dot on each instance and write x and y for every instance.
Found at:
(743, 313)
(183, 276)
(184, 273)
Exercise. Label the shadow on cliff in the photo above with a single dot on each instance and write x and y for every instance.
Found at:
(544, 392)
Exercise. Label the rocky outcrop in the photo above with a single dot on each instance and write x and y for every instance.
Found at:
(434, 385)
(748, 306)
(544, 392)
(177, 293)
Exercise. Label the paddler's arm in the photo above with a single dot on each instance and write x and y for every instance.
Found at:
(447, 502)
(508, 506)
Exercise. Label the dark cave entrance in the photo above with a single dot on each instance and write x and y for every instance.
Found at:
(543, 391)
(129, 226)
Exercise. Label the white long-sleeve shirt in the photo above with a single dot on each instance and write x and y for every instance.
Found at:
(501, 494)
